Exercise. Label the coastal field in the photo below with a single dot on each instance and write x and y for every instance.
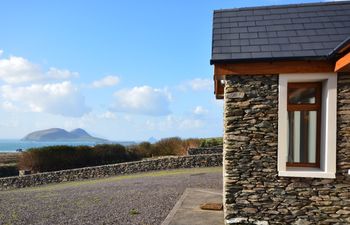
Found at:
(8, 158)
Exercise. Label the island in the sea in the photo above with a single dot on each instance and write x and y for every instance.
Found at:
(58, 134)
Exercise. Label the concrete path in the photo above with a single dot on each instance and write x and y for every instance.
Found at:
(187, 210)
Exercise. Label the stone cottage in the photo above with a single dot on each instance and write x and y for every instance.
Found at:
(283, 73)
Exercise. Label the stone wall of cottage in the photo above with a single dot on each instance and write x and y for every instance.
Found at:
(253, 191)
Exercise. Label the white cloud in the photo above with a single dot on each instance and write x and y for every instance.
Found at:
(107, 115)
(1, 52)
(107, 81)
(172, 122)
(58, 98)
(200, 110)
(16, 70)
(9, 106)
(142, 100)
(55, 73)
(197, 84)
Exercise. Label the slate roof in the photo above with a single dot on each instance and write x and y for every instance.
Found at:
(307, 31)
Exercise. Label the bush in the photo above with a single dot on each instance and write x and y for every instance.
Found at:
(8, 170)
(54, 158)
(211, 142)
(166, 146)
(144, 149)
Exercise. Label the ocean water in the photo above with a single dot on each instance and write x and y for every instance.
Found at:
(12, 145)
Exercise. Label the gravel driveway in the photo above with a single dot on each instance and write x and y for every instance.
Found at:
(135, 199)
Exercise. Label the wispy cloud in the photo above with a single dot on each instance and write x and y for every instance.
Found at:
(200, 110)
(197, 84)
(107, 81)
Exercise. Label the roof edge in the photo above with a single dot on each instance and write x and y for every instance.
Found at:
(281, 6)
(272, 59)
(339, 48)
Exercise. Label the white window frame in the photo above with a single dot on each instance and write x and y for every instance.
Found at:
(328, 125)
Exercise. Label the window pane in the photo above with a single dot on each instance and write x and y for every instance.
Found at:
(302, 136)
(301, 95)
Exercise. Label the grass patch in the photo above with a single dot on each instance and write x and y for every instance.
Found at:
(9, 158)
(134, 212)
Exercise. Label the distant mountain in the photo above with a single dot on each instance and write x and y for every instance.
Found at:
(57, 134)
(152, 140)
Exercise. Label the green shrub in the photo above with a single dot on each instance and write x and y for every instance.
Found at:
(54, 158)
(8, 170)
(144, 149)
(211, 142)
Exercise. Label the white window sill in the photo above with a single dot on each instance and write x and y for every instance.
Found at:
(306, 172)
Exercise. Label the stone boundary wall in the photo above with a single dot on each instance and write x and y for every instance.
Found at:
(206, 150)
(253, 191)
(164, 163)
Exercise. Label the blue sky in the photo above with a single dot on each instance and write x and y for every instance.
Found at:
(122, 70)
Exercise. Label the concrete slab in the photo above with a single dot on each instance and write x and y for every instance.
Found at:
(187, 210)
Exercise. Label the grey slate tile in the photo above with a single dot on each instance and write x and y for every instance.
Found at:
(305, 53)
(221, 43)
(313, 25)
(239, 42)
(279, 40)
(281, 54)
(295, 26)
(299, 30)
(243, 55)
(308, 46)
(248, 35)
(257, 29)
(275, 28)
(246, 24)
(329, 31)
(250, 48)
(286, 33)
(239, 30)
(238, 19)
(291, 47)
(220, 56)
(272, 17)
(299, 39)
(270, 34)
(261, 54)
(228, 37)
(259, 41)
(270, 48)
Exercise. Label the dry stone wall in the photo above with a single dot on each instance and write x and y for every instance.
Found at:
(253, 191)
(208, 150)
(164, 163)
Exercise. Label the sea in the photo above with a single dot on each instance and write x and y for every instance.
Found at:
(13, 145)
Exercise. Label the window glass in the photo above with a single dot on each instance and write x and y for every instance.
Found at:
(302, 95)
(302, 136)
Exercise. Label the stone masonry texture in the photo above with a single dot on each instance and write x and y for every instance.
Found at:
(163, 163)
(253, 191)
(208, 150)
